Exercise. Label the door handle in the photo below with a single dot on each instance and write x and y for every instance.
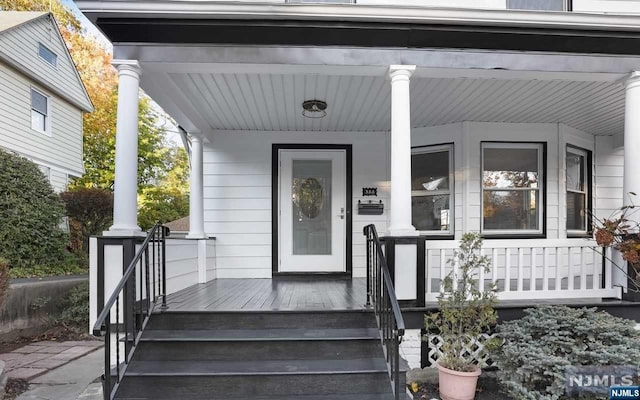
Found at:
(341, 213)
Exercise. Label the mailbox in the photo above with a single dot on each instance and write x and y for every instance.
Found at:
(370, 208)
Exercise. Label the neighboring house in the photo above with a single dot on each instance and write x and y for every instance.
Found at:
(42, 97)
(309, 122)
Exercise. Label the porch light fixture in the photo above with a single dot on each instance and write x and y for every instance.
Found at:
(314, 108)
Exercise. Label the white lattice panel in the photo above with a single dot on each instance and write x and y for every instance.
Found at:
(475, 354)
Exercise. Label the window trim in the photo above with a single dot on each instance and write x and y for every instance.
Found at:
(436, 148)
(47, 117)
(53, 65)
(542, 190)
(588, 190)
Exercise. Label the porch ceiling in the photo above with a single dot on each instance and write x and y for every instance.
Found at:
(255, 101)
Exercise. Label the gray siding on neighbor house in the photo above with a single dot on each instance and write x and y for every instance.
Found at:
(20, 44)
(62, 150)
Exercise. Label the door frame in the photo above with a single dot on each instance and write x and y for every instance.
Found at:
(275, 195)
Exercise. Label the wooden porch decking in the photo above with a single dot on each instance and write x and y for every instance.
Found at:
(277, 294)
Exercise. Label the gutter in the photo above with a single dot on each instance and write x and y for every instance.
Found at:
(356, 13)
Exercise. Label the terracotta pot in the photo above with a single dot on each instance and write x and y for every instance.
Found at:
(456, 385)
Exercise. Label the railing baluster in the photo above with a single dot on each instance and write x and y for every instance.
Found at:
(494, 265)
(545, 272)
(520, 269)
(534, 265)
(583, 268)
(481, 274)
(558, 269)
(443, 262)
(507, 270)
(571, 282)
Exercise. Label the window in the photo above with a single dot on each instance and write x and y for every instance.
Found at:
(47, 55)
(540, 5)
(39, 111)
(578, 177)
(512, 188)
(432, 189)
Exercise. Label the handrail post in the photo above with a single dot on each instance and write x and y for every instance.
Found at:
(128, 316)
(163, 260)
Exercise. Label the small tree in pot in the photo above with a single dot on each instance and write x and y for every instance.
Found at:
(465, 313)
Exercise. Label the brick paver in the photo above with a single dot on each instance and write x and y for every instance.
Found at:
(38, 358)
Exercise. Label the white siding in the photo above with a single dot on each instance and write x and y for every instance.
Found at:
(608, 176)
(58, 180)
(238, 194)
(21, 45)
(63, 149)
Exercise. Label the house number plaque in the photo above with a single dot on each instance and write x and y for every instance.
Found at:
(370, 191)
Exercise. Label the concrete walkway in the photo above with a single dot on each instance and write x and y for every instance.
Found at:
(36, 359)
(68, 382)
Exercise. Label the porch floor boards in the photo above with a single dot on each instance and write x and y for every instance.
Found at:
(277, 294)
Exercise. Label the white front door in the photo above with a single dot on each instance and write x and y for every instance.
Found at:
(312, 215)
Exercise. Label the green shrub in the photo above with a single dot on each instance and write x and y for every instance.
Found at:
(4, 279)
(540, 347)
(42, 271)
(30, 215)
(75, 308)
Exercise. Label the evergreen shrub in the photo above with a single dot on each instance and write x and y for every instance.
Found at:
(539, 348)
(30, 215)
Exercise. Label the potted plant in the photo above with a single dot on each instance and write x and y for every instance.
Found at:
(621, 231)
(465, 313)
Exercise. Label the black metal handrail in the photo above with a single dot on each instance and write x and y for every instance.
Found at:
(143, 283)
(381, 293)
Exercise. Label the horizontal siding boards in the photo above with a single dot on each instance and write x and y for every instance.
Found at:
(21, 45)
(58, 180)
(608, 177)
(238, 194)
(62, 149)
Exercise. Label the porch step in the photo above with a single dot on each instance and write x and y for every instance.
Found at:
(258, 344)
(308, 355)
(229, 320)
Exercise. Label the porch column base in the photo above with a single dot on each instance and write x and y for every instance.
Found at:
(124, 232)
(197, 236)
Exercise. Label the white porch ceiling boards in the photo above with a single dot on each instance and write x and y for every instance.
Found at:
(254, 101)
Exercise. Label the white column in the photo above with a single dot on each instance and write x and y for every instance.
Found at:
(400, 207)
(196, 207)
(125, 201)
(632, 139)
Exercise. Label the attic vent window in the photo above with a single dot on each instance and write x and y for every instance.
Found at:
(46, 54)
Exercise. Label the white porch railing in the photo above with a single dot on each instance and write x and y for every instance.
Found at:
(531, 269)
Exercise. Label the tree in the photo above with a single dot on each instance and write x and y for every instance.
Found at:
(30, 215)
(90, 211)
(156, 157)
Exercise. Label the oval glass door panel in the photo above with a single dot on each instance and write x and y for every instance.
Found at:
(311, 207)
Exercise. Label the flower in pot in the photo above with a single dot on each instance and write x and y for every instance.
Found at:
(465, 313)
